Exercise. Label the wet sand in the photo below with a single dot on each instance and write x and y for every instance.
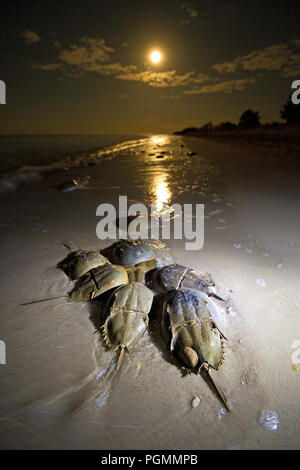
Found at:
(56, 386)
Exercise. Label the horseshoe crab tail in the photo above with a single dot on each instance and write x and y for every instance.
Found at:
(67, 246)
(44, 300)
(119, 361)
(212, 294)
(120, 358)
(219, 393)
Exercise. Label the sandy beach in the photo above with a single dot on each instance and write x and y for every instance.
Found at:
(56, 386)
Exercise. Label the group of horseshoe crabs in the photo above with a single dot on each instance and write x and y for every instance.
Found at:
(129, 270)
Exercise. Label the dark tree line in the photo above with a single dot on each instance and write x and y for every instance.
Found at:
(249, 118)
(290, 112)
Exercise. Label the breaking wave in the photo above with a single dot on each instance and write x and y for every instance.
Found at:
(12, 179)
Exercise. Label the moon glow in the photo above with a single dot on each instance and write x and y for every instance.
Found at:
(155, 56)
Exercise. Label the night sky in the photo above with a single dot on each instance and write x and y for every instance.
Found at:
(82, 67)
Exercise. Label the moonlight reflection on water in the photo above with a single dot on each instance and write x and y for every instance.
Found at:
(161, 190)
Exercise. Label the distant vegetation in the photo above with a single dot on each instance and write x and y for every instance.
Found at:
(248, 121)
(290, 112)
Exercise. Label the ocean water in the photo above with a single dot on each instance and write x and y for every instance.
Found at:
(19, 150)
(25, 158)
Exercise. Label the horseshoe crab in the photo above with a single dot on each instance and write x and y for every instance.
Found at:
(175, 276)
(188, 317)
(97, 281)
(193, 336)
(136, 256)
(94, 283)
(132, 259)
(78, 263)
(127, 319)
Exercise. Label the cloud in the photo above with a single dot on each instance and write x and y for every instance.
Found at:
(226, 86)
(46, 67)
(280, 57)
(292, 68)
(169, 78)
(30, 37)
(89, 51)
(226, 67)
(93, 55)
(189, 12)
(170, 97)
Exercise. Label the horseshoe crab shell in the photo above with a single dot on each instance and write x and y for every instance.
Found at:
(137, 272)
(129, 252)
(175, 276)
(97, 281)
(78, 263)
(127, 320)
(195, 339)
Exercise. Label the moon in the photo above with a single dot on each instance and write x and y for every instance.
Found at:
(155, 56)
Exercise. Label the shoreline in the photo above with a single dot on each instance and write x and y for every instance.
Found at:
(11, 179)
(288, 137)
